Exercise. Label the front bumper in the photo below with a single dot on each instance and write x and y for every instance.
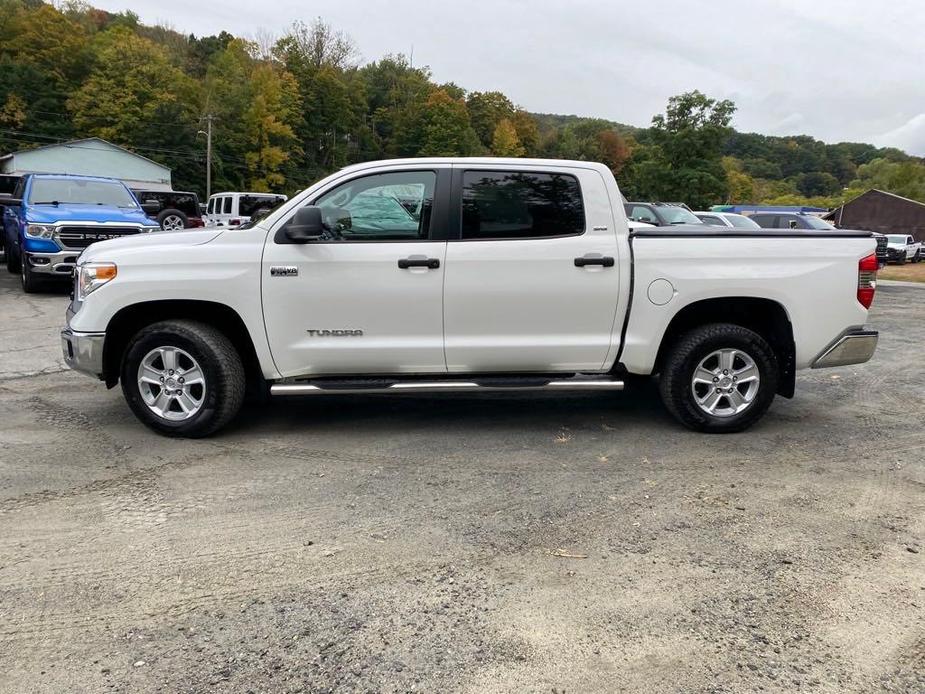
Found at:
(854, 347)
(83, 352)
(61, 263)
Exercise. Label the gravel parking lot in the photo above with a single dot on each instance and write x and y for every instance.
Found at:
(477, 544)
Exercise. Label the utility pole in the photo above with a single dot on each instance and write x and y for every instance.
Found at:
(208, 156)
(208, 118)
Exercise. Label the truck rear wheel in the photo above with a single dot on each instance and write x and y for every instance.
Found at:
(719, 378)
(183, 378)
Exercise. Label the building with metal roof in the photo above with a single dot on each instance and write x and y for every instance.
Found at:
(878, 210)
(91, 156)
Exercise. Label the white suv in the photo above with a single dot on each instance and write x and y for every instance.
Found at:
(234, 209)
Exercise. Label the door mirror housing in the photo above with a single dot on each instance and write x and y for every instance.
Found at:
(306, 225)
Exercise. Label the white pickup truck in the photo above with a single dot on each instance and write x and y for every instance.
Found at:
(466, 275)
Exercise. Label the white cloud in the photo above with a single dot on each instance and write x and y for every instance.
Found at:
(910, 136)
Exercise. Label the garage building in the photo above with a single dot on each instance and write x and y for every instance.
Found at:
(92, 156)
(877, 210)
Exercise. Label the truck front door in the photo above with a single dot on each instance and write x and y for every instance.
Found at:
(533, 281)
(368, 296)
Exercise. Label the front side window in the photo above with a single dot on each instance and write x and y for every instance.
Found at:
(383, 207)
(519, 205)
(76, 191)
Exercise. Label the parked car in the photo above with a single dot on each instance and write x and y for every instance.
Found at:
(660, 213)
(52, 218)
(175, 210)
(466, 275)
(235, 209)
(799, 220)
(7, 186)
(903, 248)
(726, 219)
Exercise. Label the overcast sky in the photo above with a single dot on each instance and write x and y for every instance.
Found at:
(835, 69)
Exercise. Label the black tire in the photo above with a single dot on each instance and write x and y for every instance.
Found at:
(30, 282)
(12, 260)
(169, 218)
(219, 361)
(686, 354)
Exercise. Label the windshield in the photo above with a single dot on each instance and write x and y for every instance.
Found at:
(74, 191)
(893, 238)
(678, 215)
(816, 223)
(740, 221)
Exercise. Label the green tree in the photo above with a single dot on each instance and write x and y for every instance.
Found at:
(486, 110)
(505, 142)
(445, 130)
(684, 160)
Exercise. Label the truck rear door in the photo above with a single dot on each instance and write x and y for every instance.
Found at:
(532, 281)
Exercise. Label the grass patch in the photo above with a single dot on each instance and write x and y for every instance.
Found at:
(903, 273)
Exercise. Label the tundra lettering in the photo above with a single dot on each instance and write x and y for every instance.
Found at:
(467, 275)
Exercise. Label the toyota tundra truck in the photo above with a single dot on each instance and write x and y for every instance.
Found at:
(466, 276)
(52, 218)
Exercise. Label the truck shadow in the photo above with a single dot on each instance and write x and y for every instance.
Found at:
(395, 414)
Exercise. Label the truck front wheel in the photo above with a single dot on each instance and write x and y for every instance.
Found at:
(719, 378)
(183, 378)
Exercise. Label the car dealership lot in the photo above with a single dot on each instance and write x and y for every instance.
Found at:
(491, 543)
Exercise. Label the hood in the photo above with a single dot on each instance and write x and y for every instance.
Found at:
(103, 250)
(86, 213)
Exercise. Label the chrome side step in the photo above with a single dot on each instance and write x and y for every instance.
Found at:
(449, 386)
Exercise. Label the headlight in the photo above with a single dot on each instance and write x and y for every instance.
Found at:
(92, 276)
(40, 231)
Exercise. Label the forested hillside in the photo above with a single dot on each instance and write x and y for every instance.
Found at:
(287, 110)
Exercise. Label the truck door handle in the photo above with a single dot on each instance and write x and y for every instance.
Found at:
(429, 263)
(603, 260)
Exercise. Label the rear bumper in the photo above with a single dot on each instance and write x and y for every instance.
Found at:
(854, 347)
(83, 352)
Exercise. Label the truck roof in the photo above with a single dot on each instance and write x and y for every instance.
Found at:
(103, 179)
(477, 161)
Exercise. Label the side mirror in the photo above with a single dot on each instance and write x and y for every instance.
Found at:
(151, 206)
(306, 226)
(793, 224)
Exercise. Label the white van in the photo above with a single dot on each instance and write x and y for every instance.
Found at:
(234, 209)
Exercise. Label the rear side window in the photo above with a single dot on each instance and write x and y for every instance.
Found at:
(712, 221)
(520, 205)
(765, 221)
(227, 207)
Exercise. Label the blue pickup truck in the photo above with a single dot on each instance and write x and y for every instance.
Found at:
(51, 218)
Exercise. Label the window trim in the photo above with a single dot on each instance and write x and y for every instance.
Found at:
(437, 230)
(457, 200)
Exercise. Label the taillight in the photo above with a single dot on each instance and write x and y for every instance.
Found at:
(867, 279)
(234, 222)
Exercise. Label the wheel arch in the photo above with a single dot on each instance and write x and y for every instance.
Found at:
(129, 320)
(766, 317)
